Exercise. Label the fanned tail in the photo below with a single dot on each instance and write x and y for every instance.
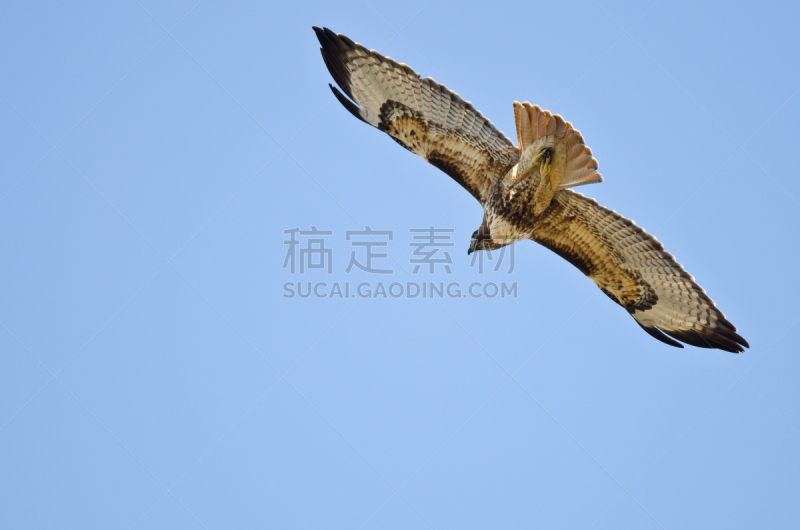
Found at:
(535, 125)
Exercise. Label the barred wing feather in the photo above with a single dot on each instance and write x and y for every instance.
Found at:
(423, 116)
(633, 269)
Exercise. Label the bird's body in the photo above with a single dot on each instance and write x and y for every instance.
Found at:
(525, 191)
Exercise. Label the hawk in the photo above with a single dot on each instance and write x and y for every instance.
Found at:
(525, 191)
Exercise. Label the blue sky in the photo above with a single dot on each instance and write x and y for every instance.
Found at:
(154, 375)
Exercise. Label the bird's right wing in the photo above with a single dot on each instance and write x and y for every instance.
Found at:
(423, 116)
(632, 268)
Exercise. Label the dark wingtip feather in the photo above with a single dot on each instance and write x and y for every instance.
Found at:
(334, 51)
(657, 334)
(337, 71)
(729, 330)
(320, 32)
(346, 103)
(708, 338)
(738, 338)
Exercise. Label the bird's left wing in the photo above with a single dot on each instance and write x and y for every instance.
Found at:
(423, 116)
(632, 268)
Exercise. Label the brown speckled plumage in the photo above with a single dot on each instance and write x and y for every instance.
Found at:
(524, 190)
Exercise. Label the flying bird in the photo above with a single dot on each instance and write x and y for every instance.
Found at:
(524, 190)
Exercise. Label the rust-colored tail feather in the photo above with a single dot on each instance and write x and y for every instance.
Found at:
(533, 124)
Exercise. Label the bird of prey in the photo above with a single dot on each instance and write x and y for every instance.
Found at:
(524, 190)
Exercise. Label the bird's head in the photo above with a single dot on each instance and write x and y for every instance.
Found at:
(492, 235)
(482, 240)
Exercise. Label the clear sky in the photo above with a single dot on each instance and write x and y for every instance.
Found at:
(156, 373)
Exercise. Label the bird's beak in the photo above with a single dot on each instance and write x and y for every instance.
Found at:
(472, 245)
